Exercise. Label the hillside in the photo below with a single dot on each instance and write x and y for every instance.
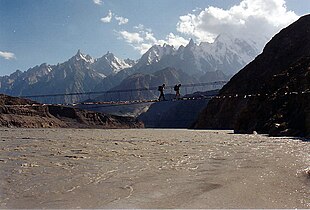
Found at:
(281, 76)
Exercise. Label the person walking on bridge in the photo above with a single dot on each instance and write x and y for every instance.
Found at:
(177, 91)
(161, 90)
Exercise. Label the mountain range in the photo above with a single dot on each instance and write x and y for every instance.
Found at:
(192, 63)
(226, 54)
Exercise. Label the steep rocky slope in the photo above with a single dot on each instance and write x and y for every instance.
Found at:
(281, 75)
(16, 112)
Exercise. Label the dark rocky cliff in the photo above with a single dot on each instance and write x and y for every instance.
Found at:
(17, 112)
(283, 67)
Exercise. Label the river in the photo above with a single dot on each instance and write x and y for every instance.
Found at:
(151, 168)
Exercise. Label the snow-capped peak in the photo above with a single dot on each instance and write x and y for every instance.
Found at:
(227, 54)
(80, 56)
(155, 53)
(116, 63)
(110, 64)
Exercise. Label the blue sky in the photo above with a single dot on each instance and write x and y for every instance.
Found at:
(51, 31)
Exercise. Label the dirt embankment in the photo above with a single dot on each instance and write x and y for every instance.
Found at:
(17, 112)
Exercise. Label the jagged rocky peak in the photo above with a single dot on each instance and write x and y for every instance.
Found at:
(109, 56)
(191, 44)
(156, 52)
(224, 37)
(41, 70)
(79, 56)
(46, 66)
(130, 61)
(109, 64)
(17, 73)
(181, 48)
(116, 63)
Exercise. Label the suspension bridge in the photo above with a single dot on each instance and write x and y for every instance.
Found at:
(121, 97)
(123, 101)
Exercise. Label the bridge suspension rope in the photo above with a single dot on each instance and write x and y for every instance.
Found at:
(206, 97)
(217, 83)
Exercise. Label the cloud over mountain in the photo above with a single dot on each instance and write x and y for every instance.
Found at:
(143, 38)
(254, 18)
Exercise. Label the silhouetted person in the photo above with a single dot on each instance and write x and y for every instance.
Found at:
(161, 90)
(177, 91)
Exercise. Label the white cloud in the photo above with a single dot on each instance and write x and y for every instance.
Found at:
(251, 18)
(176, 40)
(7, 55)
(142, 28)
(139, 27)
(131, 37)
(149, 36)
(108, 18)
(255, 20)
(98, 2)
(145, 39)
(142, 48)
(121, 20)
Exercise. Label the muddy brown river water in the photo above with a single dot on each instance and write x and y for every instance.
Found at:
(74, 168)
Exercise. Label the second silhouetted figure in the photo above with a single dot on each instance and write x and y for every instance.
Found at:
(177, 91)
(161, 90)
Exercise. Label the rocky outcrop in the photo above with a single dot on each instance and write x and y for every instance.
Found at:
(278, 83)
(16, 112)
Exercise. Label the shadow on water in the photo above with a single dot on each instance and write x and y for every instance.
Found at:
(297, 138)
(305, 139)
